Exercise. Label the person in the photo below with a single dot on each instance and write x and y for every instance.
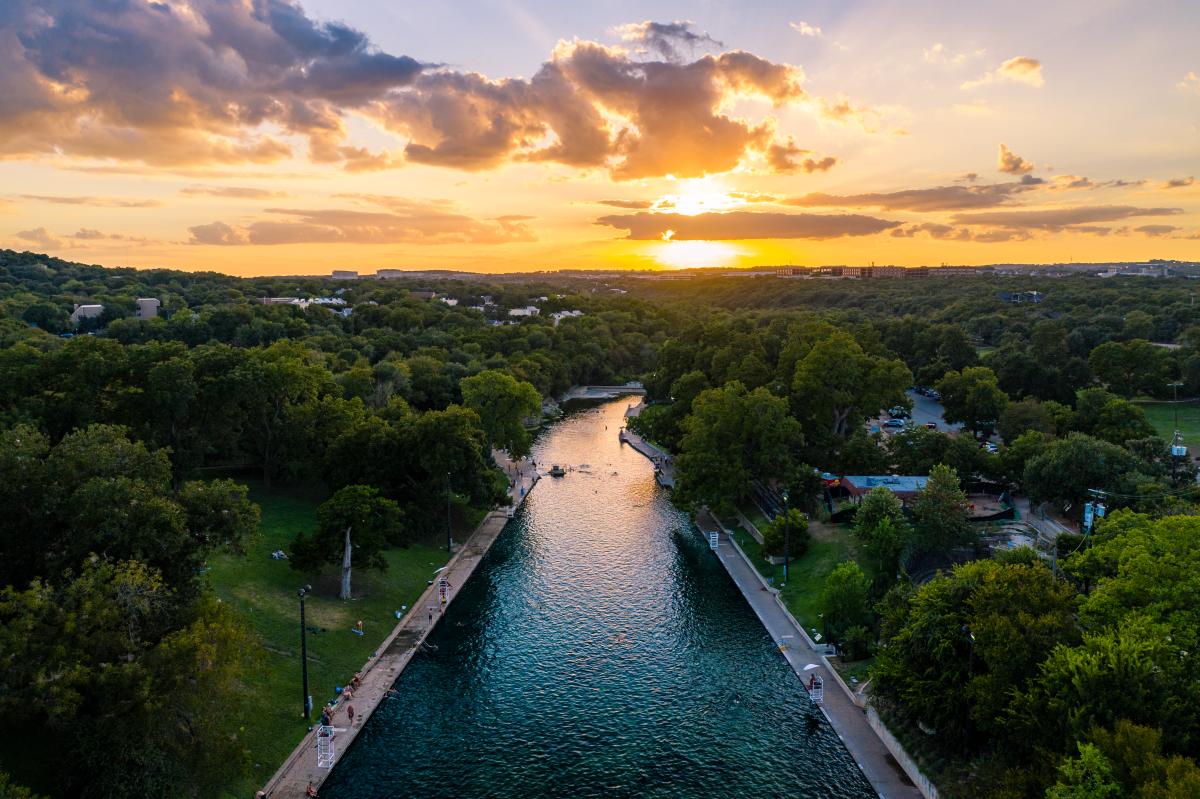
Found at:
(356, 680)
(348, 692)
(350, 713)
(359, 626)
(311, 790)
(812, 681)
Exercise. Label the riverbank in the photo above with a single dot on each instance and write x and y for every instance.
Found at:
(386, 664)
(848, 720)
(664, 466)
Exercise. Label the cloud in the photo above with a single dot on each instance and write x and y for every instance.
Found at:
(1013, 164)
(786, 158)
(939, 54)
(402, 221)
(1190, 83)
(97, 202)
(1070, 182)
(665, 38)
(1021, 69)
(744, 225)
(232, 192)
(1157, 231)
(938, 198)
(804, 29)
(41, 237)
(206, 81)
(592, 106)
(635, 205)
(1056, 219)
(933, 230)
(1178, 183)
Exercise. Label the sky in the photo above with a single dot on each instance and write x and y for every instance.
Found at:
(274, 137)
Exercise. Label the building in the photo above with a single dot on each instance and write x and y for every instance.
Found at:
(449, 301)
(82, 312)
(147, 308)
(558, 316)
(344, 274)
(528, 310)
(1017, 297)
(281, 301)
(905, 487)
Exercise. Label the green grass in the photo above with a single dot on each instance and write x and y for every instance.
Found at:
(263, 591)
(1162, 416)
(854, 670)
(802, 594)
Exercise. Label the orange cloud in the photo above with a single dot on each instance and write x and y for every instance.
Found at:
(1021, 69)
(1013, 164)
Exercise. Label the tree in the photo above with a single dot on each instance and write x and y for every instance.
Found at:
(845, 603)
(49, 317)
(1089, 776)
(1069, 468)
(837, 384)
(1106, 416)
(1023, 416)
(503, 404)
(792, 527)
(940, 511)
(973, 397)
(356, 518)
(219, 513)
(958, 648)
(883, 533)
(732, 437)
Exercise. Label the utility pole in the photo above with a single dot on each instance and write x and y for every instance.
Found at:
(307, 712)
(787, 536)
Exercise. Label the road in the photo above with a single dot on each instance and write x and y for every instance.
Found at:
(927, 410)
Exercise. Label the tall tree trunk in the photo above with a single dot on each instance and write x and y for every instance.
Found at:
(346, 568)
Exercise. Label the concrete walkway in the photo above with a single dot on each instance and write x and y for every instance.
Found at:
(380, 673)
(664, 466)
(847, 720)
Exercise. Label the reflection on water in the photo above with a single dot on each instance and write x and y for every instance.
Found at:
(599, 651)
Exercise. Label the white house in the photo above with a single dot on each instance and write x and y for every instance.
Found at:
(528, 310)
(82, 312)
(147, 308)
(558, 316)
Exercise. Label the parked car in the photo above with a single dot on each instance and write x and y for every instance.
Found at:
(898, 412)
(930, 425)
(894, 423)
(934, 395)
(988, 446)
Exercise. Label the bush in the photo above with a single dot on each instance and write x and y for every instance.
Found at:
(796, 526)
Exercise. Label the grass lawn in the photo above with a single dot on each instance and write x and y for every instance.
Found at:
(1162, 416)
(830, 546)
(264, 593)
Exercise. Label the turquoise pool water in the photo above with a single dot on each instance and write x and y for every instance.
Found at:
(600, 650)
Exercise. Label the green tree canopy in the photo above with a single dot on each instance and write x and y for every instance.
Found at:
(503, 404)
(355, 520)
(974, 398)
(940, 512)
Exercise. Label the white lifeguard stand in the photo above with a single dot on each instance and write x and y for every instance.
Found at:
(326, 753)
(816, 691)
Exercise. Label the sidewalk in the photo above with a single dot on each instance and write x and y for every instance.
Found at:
(664, 467)
(381, 672)
(848, 721)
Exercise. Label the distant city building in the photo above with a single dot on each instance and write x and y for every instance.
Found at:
(82, 312)
(344, 274)
(449, 301)
(281, 301)
(147, 308)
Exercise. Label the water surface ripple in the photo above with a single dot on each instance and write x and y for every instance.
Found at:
(600, 650)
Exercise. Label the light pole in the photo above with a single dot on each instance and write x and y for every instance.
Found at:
(1176, 439)
(787, 536)
(449, 540)
(307, 712)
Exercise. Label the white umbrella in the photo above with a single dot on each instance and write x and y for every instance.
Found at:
(811, 666)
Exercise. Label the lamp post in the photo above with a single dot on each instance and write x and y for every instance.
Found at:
(787, 536)
(449, 540)
(307, 712)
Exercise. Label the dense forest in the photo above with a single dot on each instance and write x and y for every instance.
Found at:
(1017, 675)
